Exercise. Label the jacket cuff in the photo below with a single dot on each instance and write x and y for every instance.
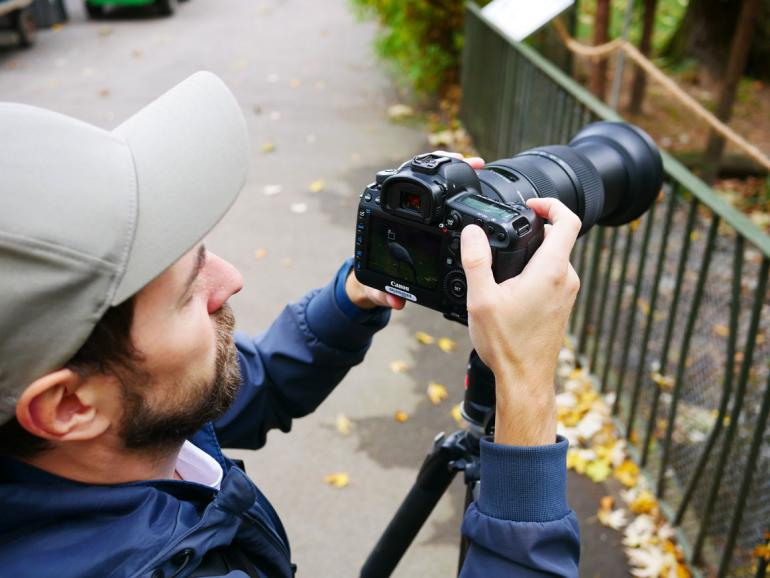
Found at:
(327, 321)
(346, 305)
(524, 484)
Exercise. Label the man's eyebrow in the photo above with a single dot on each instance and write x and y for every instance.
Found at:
(200, 261)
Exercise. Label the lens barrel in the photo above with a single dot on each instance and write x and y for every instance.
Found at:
(609, 174)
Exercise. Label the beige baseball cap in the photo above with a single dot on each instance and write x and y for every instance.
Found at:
(88, 217)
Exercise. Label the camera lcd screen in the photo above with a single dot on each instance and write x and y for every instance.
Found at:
(493, 209)
(405, 253)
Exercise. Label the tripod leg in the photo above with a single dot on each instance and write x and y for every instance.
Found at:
(433, 479)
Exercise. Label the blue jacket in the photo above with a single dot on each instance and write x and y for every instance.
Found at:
(50, 526)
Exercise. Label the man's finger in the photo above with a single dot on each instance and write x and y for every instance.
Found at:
(564, 231)
(475, 162)
(477, 262)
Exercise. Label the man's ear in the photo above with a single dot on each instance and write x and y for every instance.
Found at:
(61, 406)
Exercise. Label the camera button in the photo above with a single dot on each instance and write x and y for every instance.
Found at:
(490, 229)
(368, 197)
(454, 245)
(501, 236)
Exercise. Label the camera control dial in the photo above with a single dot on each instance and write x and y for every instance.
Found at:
(456, 286)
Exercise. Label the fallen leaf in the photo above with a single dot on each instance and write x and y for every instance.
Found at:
(105, 30)
(298, 208)
(645, 503)
(104, 93)
(257, 109)
(136, 53)
(721, 330)
(627, 473)
(437, 393)
(424, 338)
(400, 111)
(56, 27)
(614, 519)
(316, 186)
(446, 345)
(457, 414)
(271, 190)
(267, 147)
(295, 83)
(338, 480)
(344, 425)
(598, 471)
(400, 416)
(260, 254)
(399, 366)
(287, 263)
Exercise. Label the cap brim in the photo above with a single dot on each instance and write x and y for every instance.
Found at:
(191, 155)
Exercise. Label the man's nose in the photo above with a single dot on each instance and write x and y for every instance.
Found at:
(226, 281)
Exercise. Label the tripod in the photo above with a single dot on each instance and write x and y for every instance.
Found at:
(458, 452)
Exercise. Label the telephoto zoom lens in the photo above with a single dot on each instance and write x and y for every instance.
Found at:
(609, 174)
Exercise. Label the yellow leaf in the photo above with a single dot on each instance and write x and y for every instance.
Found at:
(645, 503)
(437, 392)
(344, 425)
(399, 366)
(762, 552)
(576, 461)
(287, 263)
(338, 480)
(401, 416)
(424, 338)
(694, 236)
(627, 473)
(317, 186)
(598, 470)
(446, 345)
(663, 381)
(457, 414)
(295, 83)
(260, 254)
(721, 330)
(267, 147)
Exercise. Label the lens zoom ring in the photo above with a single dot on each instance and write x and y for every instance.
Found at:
(590, 181)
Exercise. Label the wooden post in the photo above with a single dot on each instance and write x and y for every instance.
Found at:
(739, 52)
(645, 47)
(601, 35)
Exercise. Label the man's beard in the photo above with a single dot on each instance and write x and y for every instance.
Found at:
(146, 428)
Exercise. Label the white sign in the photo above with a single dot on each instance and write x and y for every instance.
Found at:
(520, 18)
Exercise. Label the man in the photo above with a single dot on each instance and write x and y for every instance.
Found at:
(120, 378)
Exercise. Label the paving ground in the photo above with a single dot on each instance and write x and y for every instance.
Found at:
(309, 86)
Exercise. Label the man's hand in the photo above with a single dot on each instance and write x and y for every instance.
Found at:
(367, 298)
(518, 326)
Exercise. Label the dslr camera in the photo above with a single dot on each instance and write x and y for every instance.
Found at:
(409, 222)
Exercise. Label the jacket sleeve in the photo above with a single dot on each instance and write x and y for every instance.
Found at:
(521, 525)
(291, 368)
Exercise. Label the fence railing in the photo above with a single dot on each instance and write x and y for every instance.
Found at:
(673, 316)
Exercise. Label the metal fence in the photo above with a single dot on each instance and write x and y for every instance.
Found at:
(673, 316)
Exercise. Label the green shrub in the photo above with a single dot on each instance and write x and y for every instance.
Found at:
(421, 38)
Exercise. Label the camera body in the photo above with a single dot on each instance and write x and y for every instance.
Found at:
(408, 232)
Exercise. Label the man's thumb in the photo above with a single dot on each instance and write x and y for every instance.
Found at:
(477, 259)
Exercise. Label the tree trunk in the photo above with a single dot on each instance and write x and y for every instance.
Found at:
(739, 51)
(640, 77)
(598, 81)
(705, 34)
